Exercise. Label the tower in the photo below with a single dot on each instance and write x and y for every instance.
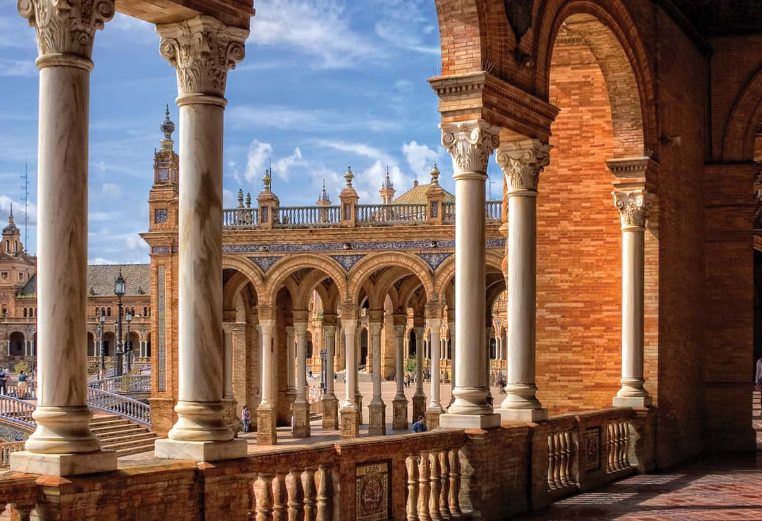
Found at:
(163, 199)
(387, 189)
(11, 244)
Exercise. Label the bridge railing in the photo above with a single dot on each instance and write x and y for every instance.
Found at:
(8, 448)
(119, 405)
(128, 383)
(17, 413)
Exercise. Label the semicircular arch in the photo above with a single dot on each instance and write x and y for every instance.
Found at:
(744, 121)
(285, 268)
(372, 263)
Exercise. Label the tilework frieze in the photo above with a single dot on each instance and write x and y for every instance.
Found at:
(265, 263)
(350, 246)
(434, 259)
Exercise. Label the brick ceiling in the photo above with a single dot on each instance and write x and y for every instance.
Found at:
(723, 17)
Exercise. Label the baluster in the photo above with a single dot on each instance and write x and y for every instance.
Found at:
(454, 484)
(280, 498)
(444, 493)
(619, 445)
(622, 445)
(611, 447)
(411, 465)
(323, 494)
(265, 498)
(571, 455)
(295, 496)
(308, 483)
(627, 444)
(435, 484)
(424, 487)
(551, 462)
(562, 459)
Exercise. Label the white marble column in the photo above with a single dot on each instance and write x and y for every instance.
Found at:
(62, 443)
(291, 363)
(377, 407)
(470, 144)
(330, 403)
(633, 210)
(522, 162)
(266, 414)
(419, 397)
(435, 404)
(301, 408)
(399, 403)
(228, 369)
(348, 412)
(202, 50)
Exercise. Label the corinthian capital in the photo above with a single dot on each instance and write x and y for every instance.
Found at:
(202, 50)
(66, 26)
(633, 208)
(470, 143)
(522, 162)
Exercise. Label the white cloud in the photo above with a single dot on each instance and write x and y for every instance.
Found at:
(259, 153)
(358, 149)
(137, 31)
(420, 158)
(317, 28)
(282, 167)
(316, 120)
(18, 68)
(111, 190)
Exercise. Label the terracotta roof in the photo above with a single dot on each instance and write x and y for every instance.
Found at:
(101, 277)
(417, 195)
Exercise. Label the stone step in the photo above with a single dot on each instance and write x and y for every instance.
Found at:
(110, 423)
(122, 433)
(137, 449)
(132, 439)
(105, 431)
(129, 444)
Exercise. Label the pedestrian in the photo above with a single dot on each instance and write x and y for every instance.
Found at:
(419, 426)
(23, 387)
(3, 382)
(246, 418)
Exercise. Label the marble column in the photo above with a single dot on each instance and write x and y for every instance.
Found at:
(290, 365)
(633, 210)
(227, 393)
(399, 403)
(330, 403)
(348, 413)
(301, 407)
(62, 444)
(434, 410)
(419, 397)
(470, 143)
(266, 412)
(521, 163)
(451, 331)
(377, 407)
(202, 49)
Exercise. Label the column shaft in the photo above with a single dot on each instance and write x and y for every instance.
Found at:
(266, 334)
(399, 348)
(375, 338)
(330, 353)
(349, 326)
(436, 355)
(300, 331)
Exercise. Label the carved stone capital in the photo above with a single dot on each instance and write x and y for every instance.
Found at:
(66, 26)
(521, 163)
(633, 206)
(202, 49)
(470, 143)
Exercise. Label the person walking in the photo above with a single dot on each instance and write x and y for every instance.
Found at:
(3, 381)
(23, 387)
(419, 426)
(246, 418)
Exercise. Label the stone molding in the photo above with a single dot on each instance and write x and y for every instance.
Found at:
(66, 26)
(202, 50)
(633, 206)
(470, 143)
(521, 163)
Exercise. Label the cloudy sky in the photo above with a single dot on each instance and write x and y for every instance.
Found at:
(325, 84)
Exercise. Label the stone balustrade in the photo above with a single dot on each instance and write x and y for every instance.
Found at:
(364, 215)
(8, 448)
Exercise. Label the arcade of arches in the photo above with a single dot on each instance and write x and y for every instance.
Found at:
(622, 268)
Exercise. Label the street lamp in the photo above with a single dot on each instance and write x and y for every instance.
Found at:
(101, 349)
(128, 344)
(119, 291)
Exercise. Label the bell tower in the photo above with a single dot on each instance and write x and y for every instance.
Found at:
(162, 202)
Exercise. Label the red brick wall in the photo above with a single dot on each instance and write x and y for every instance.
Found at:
(579, 245)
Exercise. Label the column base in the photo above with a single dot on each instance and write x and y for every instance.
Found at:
(267, 434)
(432, 417)
(469, 421)
(399, 414)
(73, 464)
(331, 414)
(632, 401)
(523, 415)
(301, 425)
(377, 419)
(349, 422)
(200, 450)
(419, 406)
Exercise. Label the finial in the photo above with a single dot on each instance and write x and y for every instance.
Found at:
(387, 181)
(324, 195)
(10, 215)
(434, 175)
(268, 179)
(240, 198)
(248, 199)
(348, 176)
(167, 126)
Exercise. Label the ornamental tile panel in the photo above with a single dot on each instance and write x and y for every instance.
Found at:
(265, 263)
(434, 259)
(347, 261)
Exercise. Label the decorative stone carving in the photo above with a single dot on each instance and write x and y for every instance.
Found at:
(202, 50)
(522, 162)
(66, 26)
(633, 208)
(470, 143)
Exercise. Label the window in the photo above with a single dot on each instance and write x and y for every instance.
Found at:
(145, 311)
(21, 276)
(25, 312)
(5, 275)
(108, 312)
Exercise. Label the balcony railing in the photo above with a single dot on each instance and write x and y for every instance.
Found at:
(364, 215)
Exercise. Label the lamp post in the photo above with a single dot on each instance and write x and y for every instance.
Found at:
(101, 350)
(128, 344)
(119, 291)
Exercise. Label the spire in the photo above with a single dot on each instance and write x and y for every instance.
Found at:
(387, 184)
(10, 215)
(387, 189)
(323, 199)
(167, 127)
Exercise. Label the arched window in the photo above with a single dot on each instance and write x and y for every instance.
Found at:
(25, 312)
(108, 312)
(145, 311)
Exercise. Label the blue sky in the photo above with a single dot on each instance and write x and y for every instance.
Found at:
(325, 84)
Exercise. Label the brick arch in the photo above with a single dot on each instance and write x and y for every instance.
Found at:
(247, 268)
(372, 263)
(386, 283)
(743, 122)
(284, 268)
(231, 291)
(621, 55)
(461, 26)
(312, 282)
(446, 271)
(408, 290)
